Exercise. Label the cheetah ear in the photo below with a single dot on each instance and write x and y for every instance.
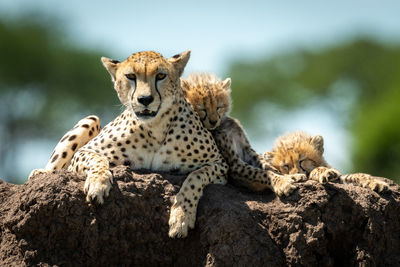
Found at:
(226, 84)
(111, 66)
(179, 61)
(318, 142)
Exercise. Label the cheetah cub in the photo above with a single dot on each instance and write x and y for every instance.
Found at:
(299, 152)
(210, 98)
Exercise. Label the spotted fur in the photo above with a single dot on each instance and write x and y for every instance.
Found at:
(85, 130)
(157, 131)
(210, 98)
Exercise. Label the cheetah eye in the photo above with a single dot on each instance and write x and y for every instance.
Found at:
(131, 76)
(160, 76)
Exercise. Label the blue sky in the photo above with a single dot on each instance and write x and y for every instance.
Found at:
(218, 32)
(215, 31)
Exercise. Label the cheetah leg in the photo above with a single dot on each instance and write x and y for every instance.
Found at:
(365, 180)
(324, 174)
(252, 157)
(183, 211)
(78, 136)
(96, 167)
(259, 179)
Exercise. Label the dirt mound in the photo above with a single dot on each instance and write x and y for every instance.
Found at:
(46, 221)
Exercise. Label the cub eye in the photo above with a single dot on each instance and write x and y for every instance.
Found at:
(160, 76)
(303, 164)
(307, 165)
(131, 76)
(202, 114)
(285, 168)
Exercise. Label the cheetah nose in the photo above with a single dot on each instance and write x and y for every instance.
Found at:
(213, 122)
(145, 100)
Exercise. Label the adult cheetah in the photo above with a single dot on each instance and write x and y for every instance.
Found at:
(158, 131)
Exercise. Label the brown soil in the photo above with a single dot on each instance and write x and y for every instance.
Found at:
(46, 221)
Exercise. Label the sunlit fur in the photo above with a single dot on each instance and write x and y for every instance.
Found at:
(297, 152)
(209, 97)
(145, 66)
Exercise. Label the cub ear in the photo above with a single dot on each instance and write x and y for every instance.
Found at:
(179, 61)
(185, 87)
(318, 142)
(184, 84)
(268, 155)
(226, 84)
(111, 66)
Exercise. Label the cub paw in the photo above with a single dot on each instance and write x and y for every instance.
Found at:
(324, 175)
(97, 186)
(284, 186)
(180, 221)
(378, 186)
(298, 177)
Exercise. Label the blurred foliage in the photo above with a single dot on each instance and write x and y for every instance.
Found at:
(44, 82)
(47, 84)
(362, 73)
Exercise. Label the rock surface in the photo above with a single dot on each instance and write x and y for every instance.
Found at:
(46, 221)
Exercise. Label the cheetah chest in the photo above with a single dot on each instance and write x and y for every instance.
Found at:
(183, 146)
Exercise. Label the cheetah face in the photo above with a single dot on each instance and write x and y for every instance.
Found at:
(296, 163)
(209, 97)
(147, 82)
(297, 153)
(212, 111)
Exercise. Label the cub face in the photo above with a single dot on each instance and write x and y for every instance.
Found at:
(297, 152)
(147, 82)
(209, 97)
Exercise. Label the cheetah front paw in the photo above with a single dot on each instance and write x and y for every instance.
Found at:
(97, 186)
(324, 175)
(284, 186)
(180, 221)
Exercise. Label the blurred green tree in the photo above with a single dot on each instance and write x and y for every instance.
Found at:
(45, 82)
(360, 79)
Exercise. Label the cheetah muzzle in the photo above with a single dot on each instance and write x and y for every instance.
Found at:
(146, 114)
